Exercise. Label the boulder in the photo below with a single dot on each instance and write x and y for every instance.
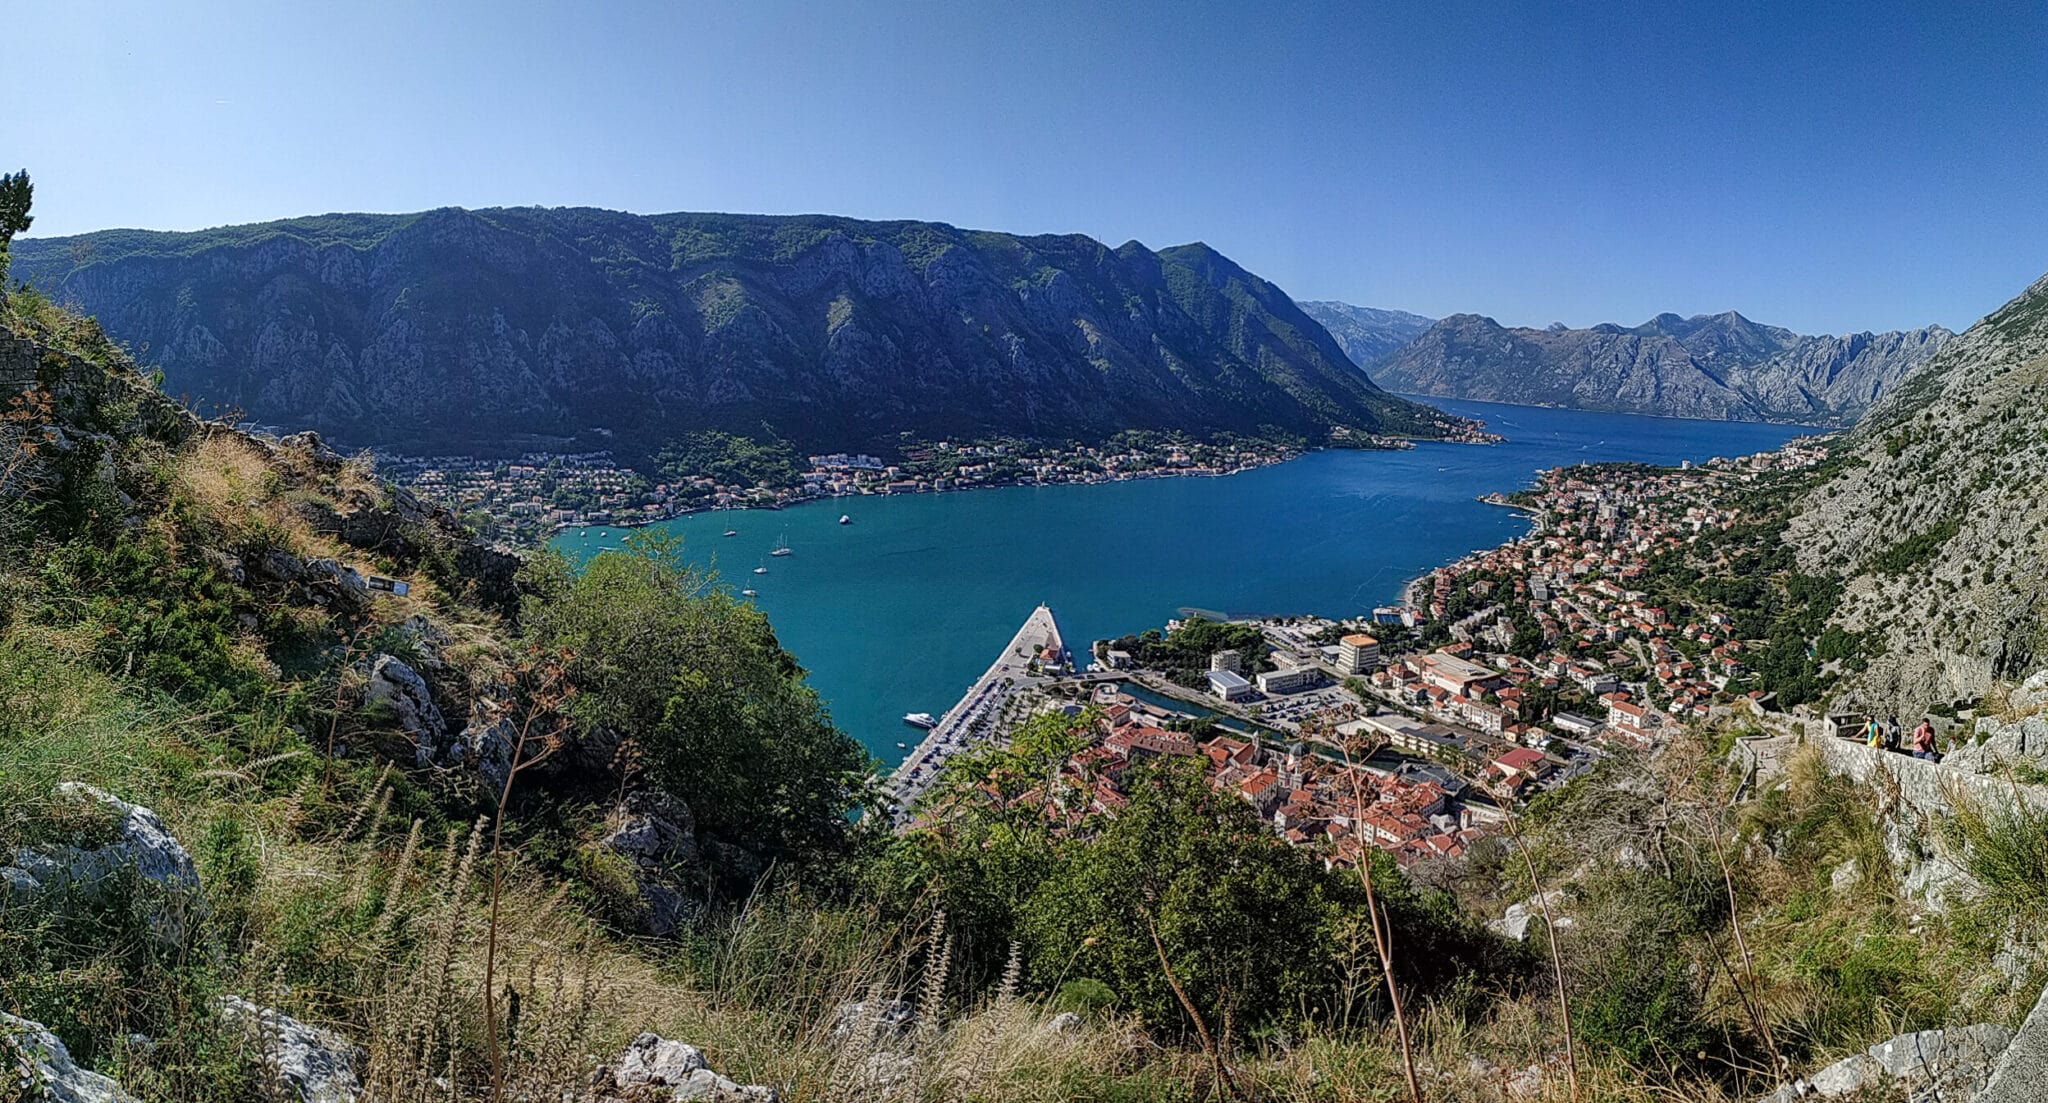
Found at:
(141, 850)
(489, 744)
(32, 1058)
(891, 1021)
(2022, 1068)
(1854, 1073)
(306, 1063)
(1951, 1064)
(398, 690)
(653, 1059)
(651, 1063)
(656, 832)
(1066, 1022)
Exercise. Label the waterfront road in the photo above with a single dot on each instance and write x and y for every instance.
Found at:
(977, 717)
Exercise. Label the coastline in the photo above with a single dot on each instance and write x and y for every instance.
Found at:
(1388, 444)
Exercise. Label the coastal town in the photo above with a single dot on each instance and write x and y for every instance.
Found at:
(1413, 727)
(527, 498)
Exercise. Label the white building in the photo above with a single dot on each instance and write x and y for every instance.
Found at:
(1288, 681)
(1230, 685)
(1227, 660)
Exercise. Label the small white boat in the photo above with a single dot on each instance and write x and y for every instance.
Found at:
(845, 519)
(732, 532)
(902, 746)
(750, 593)
(760, 570)
(921, 720)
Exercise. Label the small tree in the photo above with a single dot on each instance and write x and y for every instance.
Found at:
(15, 195)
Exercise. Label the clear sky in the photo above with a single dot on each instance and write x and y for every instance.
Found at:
(1829, 167)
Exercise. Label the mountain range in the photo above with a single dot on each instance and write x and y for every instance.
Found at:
(1366, 333)
(568, 328)
(1718, 366)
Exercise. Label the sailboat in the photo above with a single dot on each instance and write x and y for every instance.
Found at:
(782, 545)
(846, 519)
(750, 593)
(732, 532)
(762, 569)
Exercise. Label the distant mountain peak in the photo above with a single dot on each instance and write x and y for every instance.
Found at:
(1723, 366)
(1367, 334)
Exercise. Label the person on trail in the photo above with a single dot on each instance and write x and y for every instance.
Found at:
(1873, 734)
(1923, 741)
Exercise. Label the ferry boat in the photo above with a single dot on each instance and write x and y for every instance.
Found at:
(921, 720)
(845, 519)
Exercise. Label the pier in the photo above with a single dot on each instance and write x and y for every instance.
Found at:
(975, 718)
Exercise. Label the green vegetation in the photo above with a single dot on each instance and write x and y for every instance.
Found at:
(1184, 653)
(709, 706)
(1915, 549)
(1256, 932)
(762, 459)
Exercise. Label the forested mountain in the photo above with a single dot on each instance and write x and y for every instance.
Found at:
(1366, 333)
(1720, 366)
(454, 330)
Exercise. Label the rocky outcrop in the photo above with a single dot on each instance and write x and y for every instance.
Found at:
(35, 1065)
(657, 834)
(2022, 1071)
(1934, 516)
(655, 1068)
(305, 1063)
(1915, 798)
(1928, 1065)
(138, 850)
(1722, 367)
(395, 694)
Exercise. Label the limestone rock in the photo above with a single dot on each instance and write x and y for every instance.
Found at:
(652, 1062)
(653, 1059)
(309, 1064)
(1066, 1022)
(141, 848)
(891, 1021)
(2022, 1068)
(31, 1057)
(398, 690)
(1854, 1073)
(656, 832)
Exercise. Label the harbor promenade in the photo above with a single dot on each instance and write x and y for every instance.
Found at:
(975, 717)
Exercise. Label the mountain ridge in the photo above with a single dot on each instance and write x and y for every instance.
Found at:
(1721, 366)
(579, 327)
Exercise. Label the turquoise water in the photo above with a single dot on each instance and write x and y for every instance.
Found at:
(900, 610)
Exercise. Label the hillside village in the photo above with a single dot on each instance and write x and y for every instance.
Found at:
(1443, 735)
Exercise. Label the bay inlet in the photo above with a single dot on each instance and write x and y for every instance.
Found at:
(902, 609)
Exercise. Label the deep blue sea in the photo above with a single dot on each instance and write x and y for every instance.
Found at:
(900, 610)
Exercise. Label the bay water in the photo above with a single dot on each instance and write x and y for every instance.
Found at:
(900, 610)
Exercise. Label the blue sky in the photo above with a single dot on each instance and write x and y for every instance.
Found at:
(1827, 167)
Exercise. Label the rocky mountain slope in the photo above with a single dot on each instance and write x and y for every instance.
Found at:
(1720, 366)
(1937, 517)
(454, 330)
(1366, 333)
